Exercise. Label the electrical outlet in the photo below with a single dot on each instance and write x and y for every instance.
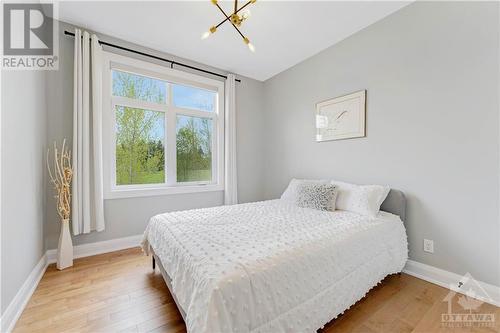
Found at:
(428, 245)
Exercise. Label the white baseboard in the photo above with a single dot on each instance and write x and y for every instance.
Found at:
(17, 305)
(92, 249)
(450, 280)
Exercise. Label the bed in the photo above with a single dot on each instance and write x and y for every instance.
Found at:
(271, 266)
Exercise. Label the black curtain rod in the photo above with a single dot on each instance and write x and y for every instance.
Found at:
(172, 62)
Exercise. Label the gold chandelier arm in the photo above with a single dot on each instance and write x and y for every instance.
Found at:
(227, 19)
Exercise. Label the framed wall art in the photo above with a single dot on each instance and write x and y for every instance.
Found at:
(341, 117)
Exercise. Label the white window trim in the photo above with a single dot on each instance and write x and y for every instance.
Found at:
(111, 190)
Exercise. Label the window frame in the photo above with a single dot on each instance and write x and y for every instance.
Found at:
(112, 61)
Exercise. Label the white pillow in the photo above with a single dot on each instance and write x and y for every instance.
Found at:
(291, 193)
(361, 199)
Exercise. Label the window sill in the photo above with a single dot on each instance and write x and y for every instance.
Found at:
(149, 192)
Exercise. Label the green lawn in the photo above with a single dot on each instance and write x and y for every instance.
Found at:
(158, 177)
(194, 175)
(145, 177)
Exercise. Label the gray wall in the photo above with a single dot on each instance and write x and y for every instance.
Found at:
(128, 217)
(24, 116)
(431, 74)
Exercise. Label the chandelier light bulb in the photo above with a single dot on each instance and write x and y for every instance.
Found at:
(205, 35)
(209, 32)
(246, 14)
(251, 47)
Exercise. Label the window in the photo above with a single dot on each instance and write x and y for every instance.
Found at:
(140, 148)
(194, 148)
(162, 130)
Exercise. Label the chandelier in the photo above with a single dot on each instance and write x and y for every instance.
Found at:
(236, 18)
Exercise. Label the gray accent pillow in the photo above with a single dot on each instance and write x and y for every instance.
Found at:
(316, 195)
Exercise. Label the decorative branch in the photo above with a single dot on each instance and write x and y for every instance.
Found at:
(61, 179)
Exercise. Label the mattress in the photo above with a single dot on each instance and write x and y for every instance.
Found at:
(271, 266)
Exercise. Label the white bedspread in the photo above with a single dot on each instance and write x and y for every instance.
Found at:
(271, 266)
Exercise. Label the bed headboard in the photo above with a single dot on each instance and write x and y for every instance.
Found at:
(395, 203)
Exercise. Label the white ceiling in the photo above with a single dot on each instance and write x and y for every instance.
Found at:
(283, 32)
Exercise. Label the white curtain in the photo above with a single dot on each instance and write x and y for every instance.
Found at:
(230, 181)
(87, 191)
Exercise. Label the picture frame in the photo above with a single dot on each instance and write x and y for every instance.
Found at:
(342, 117)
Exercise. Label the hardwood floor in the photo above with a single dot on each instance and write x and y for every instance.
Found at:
(119, 292)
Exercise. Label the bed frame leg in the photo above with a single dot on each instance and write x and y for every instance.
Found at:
(154, 262)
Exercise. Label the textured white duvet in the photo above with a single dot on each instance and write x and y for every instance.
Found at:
(271, 266)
